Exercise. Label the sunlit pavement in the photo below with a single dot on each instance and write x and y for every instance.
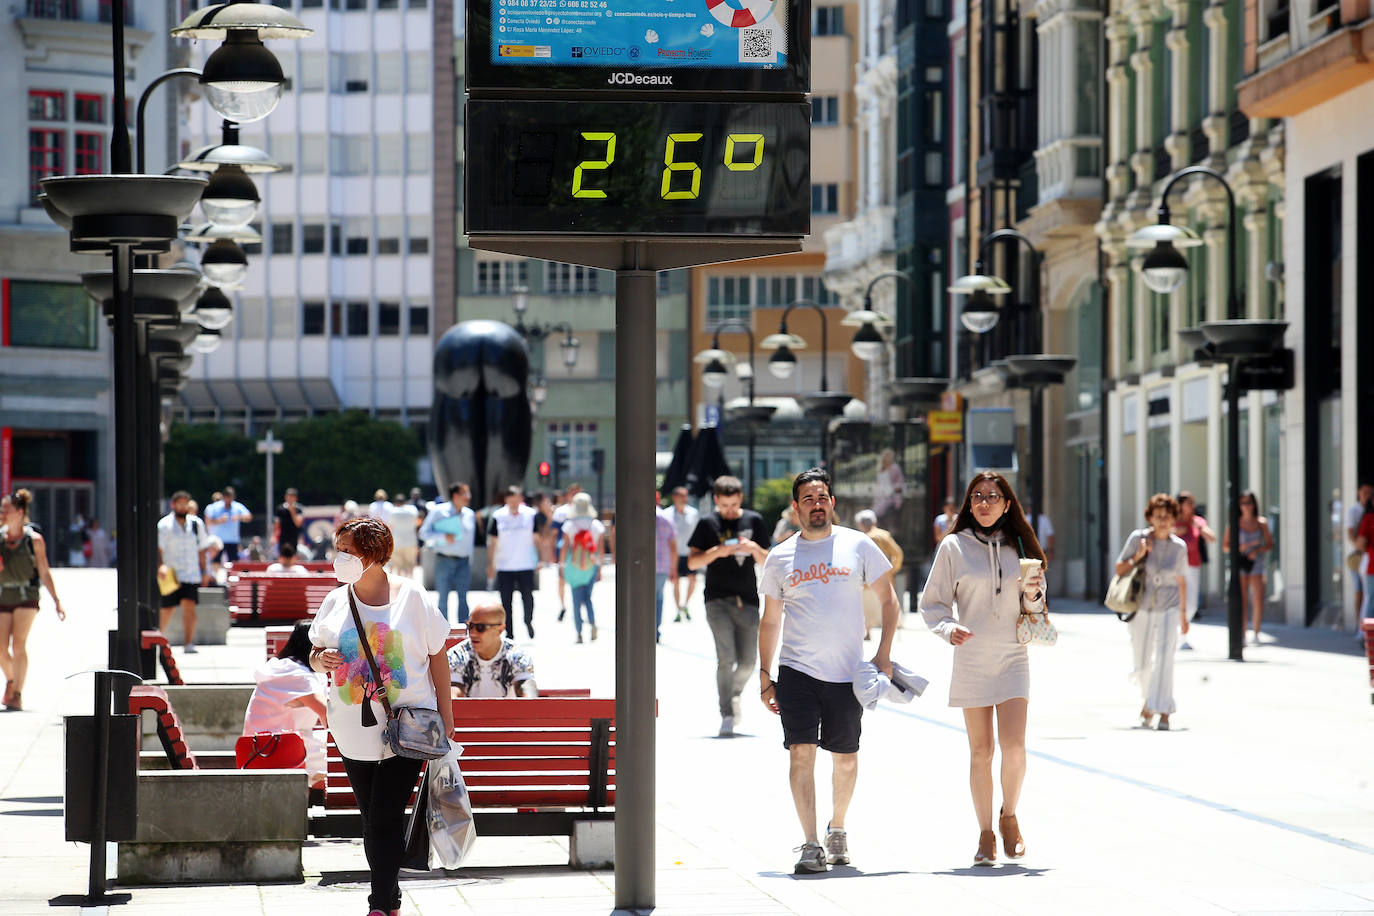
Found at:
(1258, 800)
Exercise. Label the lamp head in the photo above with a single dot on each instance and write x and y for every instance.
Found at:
(783, 363)
(207, 341)
(570, 346)
(243, 80)
(231, 198)
(213, 310)
(715, 374)
(224, 263)
(868, 342)
(1164, 268)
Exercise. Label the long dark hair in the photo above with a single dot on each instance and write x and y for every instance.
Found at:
(297, 645)
(1015, 529)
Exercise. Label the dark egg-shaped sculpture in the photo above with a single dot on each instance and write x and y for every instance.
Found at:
(480, 420)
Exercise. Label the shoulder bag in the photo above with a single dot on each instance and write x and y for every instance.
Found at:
(1033, 628)
(1124, 592)
(411, 731)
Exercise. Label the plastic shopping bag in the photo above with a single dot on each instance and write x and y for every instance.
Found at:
(452, 833)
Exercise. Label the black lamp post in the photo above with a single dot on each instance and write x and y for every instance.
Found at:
(714, 372)
(1233, 341)
(825, 404)
(869, 344)
(534, 336)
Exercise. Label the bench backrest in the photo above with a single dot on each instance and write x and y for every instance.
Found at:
(554, 752)
(277, 596)
(247, 566)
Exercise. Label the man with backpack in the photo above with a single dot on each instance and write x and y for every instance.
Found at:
(181, 571)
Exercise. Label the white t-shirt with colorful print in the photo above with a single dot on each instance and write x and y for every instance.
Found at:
(403, 635)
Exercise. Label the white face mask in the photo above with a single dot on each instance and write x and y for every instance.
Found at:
(348, 569)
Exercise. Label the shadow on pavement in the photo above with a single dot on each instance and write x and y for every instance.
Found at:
(836, 871)
(994, 871)
(36, 800)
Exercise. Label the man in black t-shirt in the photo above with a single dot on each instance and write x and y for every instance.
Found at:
(289, 520)
(727, 543)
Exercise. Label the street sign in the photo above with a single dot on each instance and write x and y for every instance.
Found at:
(1275, 372)
(945, 426)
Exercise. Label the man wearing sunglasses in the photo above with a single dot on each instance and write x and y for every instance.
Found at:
(487, 664)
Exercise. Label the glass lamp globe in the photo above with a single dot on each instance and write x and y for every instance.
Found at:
(570, 347)
(213, 311)
(231, 198)
(715, 374)
(783, 363)
(207, 341)
(243, 80)
(868, 343)
(224, 263)
(1165, 268)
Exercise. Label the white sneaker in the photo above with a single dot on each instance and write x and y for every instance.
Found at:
(727, 727)
(812, 859)
(836, 846)
(190, 649)
(1252, 639)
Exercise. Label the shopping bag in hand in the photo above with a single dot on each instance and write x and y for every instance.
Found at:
(451, 830)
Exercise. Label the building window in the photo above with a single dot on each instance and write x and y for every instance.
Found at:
(312, 238)
(47, 156)
(825, 198)
(497, 277)
(388, 235)
(825, 110)
(89, 109)
(774, 292)
(419, 235)
(349, 73)
(827, 20)
(417, 154)
(312, 319)
(816, 291)
(727, 297)
(351, 154)
(282, 238)
(88, 153)
(355, 4)
(253, 248)
(47, 105)
(52, 315)
(357, 233)
(51, 9)
(419, 320)
(388, 319)
(570, 279)
(581, 439)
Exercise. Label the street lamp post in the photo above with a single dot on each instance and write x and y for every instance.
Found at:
(270, 446)
(825, 404)
(869, 344)
(534, 336)
(1164, 270)
(714, 373)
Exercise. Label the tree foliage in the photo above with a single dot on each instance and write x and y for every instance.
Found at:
(329, 458)
(771, 497)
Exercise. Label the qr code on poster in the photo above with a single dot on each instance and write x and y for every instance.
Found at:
(756, 46)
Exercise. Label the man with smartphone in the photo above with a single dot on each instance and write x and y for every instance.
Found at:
(727, 543)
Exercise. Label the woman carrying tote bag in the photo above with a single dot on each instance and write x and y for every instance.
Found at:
(1163, 611)
(406, 634)
(973, 600)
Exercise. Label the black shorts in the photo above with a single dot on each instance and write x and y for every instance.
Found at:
(682, 568)
(818, 712)
(186, 591)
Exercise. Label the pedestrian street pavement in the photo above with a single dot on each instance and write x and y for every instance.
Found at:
(1260, 800)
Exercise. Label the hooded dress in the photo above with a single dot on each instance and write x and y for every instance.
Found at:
(973, 582)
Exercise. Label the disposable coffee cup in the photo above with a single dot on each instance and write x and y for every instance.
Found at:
(1029, 567)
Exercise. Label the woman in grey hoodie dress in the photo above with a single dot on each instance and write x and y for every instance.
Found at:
(972, 599)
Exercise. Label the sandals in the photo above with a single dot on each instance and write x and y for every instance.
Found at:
(1012, 843)
(13, 702)
(987, 849)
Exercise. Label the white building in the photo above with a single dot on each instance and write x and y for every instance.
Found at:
(56, 409)
(339, 307)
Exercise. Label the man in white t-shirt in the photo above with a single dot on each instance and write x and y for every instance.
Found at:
(487, 664)
(511, 554)
(684, 517)
(287, 564)
(404, 521)
(816, 580)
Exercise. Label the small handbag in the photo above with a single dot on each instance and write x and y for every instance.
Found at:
(411, 731)
(1036, 629)
(1124, 592)
(269, 751)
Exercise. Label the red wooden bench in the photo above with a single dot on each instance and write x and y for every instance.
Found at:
(243, 566)
(255, 597)
(149, 697)
(533, 767)
(277, 637)
(154, 641)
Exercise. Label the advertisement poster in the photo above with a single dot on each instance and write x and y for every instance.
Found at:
(710, 34)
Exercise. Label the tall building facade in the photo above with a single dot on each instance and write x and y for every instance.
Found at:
(339, 308)
(56, 410)
(1305, 74)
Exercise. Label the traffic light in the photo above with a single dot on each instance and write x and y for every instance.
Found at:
(544, 470)
(560, 460)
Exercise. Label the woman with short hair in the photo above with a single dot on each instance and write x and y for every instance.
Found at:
(1163, 609)
(973, 599)
(406, 634)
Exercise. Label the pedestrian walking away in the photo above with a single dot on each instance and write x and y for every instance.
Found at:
(511, 554)
(665, 560)
(973, 598)
(450, 529)
(1255, 542)
(727, 543)
(867, 522)
(100, 544)
(223, 518)
(945, 520)
(23, 566)
(1163, 611)
(583, 535)
(815, 582)
(288, 521)
(182, 567)
(404, 521)
(406, 636)
(684, 517)
(1195, 533)
(487, 664)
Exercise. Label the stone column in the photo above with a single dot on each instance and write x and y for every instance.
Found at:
(1118, 81)
(1214, 125)
(1177, 41)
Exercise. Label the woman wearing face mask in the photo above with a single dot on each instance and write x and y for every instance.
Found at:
(1163, 612)
(972, 599)
(406, 634)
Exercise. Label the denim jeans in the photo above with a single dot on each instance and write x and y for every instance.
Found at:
(735, 626)
(582, 597)
(452, 574)
(660, 579)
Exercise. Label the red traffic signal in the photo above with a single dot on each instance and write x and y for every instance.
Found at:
(544, 470)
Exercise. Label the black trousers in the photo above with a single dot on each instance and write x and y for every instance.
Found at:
(508, 582)
(382, 788)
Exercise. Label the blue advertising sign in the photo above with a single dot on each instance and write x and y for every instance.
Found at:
(735, 34)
